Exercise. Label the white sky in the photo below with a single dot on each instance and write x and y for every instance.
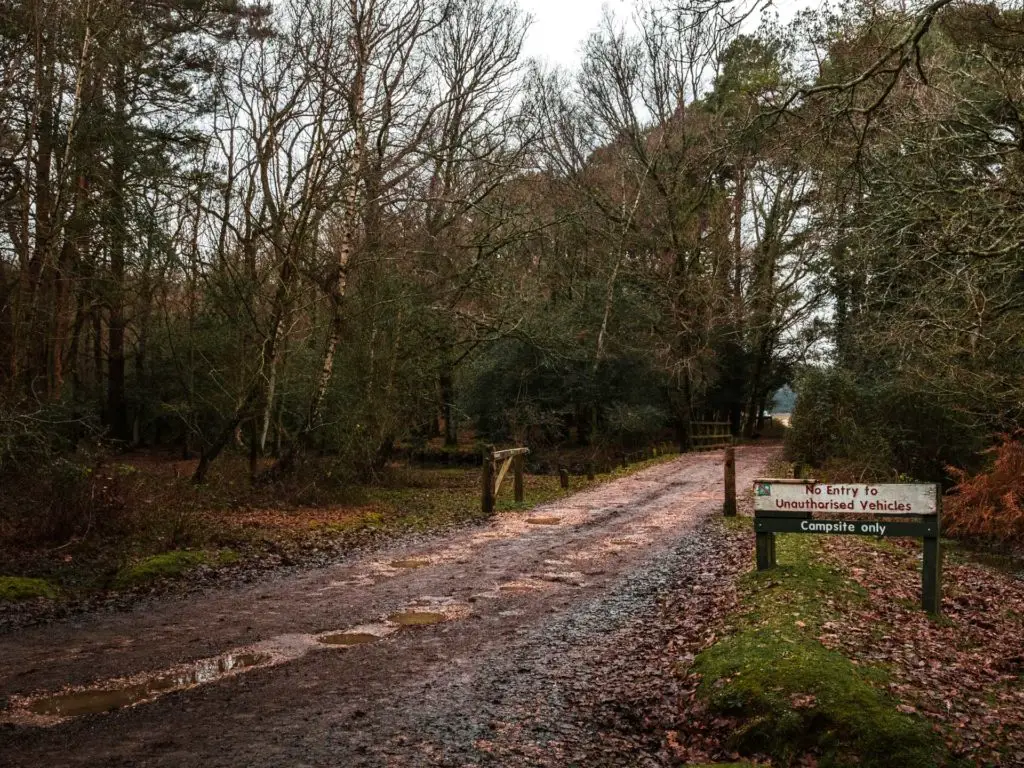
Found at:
(560, 26)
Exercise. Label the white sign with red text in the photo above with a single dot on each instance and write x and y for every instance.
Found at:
(845, 498)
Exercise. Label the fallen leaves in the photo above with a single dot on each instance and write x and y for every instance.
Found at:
(961, 671)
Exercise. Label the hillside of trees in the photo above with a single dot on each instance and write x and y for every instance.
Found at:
(319, 231)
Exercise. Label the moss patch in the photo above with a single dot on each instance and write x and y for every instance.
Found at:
(164, 566)
(228, 557)
(796, 695)
(791, 694)
(14, 588)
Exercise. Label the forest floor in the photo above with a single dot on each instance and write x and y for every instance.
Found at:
(621, 626)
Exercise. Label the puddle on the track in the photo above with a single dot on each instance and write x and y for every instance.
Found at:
(409, 563)
(543, 520)
(92, 702)
(416, 618)
(574, 578)
(349, 638)
(519, 586)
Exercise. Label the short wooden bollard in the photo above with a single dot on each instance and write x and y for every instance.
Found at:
(729, 509)
(590, 470)
(487, 497)
(518, 465)
(563, 478)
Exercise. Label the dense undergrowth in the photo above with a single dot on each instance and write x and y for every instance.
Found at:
(989, 506)
(846, 429)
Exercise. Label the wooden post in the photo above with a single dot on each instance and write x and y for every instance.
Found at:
(590, 470)
(765, 546)
(518, 465)
(625, 460)
(487, 483)
(931, 562)
(563, 478)
(729, 510)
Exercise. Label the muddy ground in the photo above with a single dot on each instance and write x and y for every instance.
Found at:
(538, 617)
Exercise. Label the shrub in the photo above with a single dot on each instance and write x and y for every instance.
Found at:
(833, 422)
(990, 504)
(634, 425)
(29, 437)
(872, 429)
(61, 498)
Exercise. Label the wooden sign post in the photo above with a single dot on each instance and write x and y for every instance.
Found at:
(789, 506)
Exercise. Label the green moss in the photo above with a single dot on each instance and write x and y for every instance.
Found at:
(228, 557)
(801, 588)
(163, 566)
(792, 694)
(795, 695)
(13, 588)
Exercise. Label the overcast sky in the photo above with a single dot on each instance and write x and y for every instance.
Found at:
(560, 26)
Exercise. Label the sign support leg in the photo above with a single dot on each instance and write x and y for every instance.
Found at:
(931, 571)
(765, 551)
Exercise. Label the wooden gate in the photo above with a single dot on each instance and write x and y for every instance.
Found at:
(492, 475)
(710, 434)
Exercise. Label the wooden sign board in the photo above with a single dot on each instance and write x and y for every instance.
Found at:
(789, 506)
(786, 496)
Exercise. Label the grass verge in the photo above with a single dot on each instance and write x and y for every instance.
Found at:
(169, 565)
(787, 694)
(17, 588)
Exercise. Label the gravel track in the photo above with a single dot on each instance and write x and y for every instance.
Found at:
(535, 617)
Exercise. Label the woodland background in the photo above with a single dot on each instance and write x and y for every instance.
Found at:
(318, 233)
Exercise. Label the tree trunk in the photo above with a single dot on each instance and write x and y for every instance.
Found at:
(117, 406)
(346, 246)
(211, 452)
(451, 436)
(684, 417)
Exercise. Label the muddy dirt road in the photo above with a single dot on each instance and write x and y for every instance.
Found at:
(428, 653)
